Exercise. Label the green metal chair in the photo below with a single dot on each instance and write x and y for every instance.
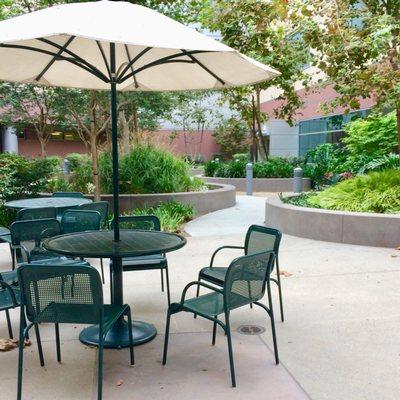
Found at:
(9, 297)
(68, 194)
(102, 207)
(26, 242)
(144, 263)
(258, 238)
(77, 220)
(245, 282)
(46, 297)
(27, 214)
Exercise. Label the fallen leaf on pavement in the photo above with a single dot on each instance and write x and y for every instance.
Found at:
(286, 274)
(10, 344)
(120, 382)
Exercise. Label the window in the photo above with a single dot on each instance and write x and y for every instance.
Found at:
(324, 130)
(65, 136)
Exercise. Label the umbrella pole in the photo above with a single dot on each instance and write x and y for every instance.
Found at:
(114, 141)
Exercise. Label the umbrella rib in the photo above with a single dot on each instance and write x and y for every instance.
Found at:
(161, 61)
(104, 58)
(77, 58)
(194, 59)
(131, 65)
(47, 67)
(98, 74)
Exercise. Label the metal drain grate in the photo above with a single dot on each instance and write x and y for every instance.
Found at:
(251, 329)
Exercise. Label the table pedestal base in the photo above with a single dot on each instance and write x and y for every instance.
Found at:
(118, 336)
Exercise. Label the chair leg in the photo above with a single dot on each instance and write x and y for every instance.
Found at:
(58, 347)
(100, 367)
(214, 331)
(132, 356)
(249, 289)
(162, 280)
(164, 361)
(21, 352)
(272, 323)
(197, 295)
(229, 340)
(102, 271)
(12, 256)
(111, 284)
(279, 289)
(39, 344)
(9, 326)
(168, 291)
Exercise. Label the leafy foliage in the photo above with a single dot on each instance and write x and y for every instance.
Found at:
(374, 136)
(22, 178)
(375, 192)
(144, 169)
(171, 215)
(274, 167)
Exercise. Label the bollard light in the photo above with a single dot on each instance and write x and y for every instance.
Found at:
(249, 179)
(297, 180)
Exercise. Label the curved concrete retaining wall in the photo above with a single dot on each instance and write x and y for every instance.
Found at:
(368, 229)
(260, 184)
(217, 198)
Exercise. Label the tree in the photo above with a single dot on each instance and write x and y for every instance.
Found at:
(31, 105)
(231, 135)
(358, 43)
(87, 112)
(194, 113)
(266, 31)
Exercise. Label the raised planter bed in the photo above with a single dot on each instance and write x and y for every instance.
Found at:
(260, 184)
(217, 198)
(368, 229)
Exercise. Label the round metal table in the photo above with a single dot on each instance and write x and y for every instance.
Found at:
(4, 231)
(101, 244)
(56, 202)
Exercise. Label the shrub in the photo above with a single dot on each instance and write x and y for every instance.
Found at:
(171, 215)
(21, 178)
(210, 167)
(375, 192)
(374, 136)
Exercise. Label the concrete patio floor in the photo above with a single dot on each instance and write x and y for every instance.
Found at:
(339, 339)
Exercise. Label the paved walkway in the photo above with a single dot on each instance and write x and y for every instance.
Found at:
(230, 221)
(339, 341)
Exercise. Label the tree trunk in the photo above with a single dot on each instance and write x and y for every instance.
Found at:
(125, 143)
(95, 167)
(42, 142)
(398, 129)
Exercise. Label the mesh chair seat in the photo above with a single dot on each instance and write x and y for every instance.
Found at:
(213, 274)
(40, 255)
(6, 300)
(155, 261)
(9, 277)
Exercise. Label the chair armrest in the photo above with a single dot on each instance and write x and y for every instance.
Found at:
(7, 287)
(189, 285)
(221, 248)
(24, 249)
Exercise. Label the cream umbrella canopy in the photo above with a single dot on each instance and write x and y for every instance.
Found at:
(118, 46)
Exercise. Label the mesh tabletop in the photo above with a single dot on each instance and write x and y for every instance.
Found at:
(56, 202)
(100, 244)
(4, 231)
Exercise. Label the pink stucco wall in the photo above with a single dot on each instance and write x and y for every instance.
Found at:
(312, 102)
(175, 142)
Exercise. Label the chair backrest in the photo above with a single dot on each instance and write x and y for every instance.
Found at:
(261, 238)
(143, 222)
(80, 220)
(68, 194)
(246, 279)
(34, 230)
(31, 233)
(52, 294)
(101, 207)
(36, 213)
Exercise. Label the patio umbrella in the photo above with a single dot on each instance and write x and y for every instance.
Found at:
(118, 46)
